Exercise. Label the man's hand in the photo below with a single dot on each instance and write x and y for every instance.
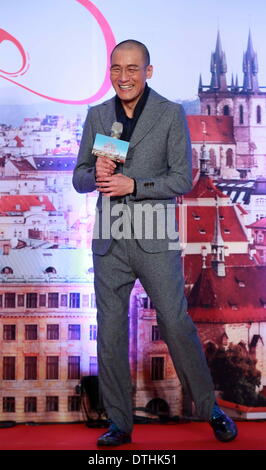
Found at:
(115, 185)
(104, 167)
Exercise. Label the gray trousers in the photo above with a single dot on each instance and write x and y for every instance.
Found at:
(161, 276)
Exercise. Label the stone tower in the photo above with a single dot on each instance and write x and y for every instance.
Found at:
(246, 104)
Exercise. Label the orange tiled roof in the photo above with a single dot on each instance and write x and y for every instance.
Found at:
(24, 203)
(219, 129)
(229, 299)
(201, 222)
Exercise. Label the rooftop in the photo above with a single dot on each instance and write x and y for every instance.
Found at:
(229, 299)
(14, 203)
(201, 224)
(218, 129)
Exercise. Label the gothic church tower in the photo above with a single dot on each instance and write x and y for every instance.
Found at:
(246, 105)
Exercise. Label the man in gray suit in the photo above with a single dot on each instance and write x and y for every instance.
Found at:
(128, 244)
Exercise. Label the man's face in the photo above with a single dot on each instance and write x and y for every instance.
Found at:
(129, 74)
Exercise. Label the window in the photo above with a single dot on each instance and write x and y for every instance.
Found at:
(53, 300)
(157, 368)
(42, 300)
(85, 301)
(241, 114)
(1, 301)
(233, 305)
(73, 367)
(93, 365)
(52, 367)
(21, 300)
(31, 332)
(93, 300)
(9, 368)
(258, 115)
(31, 300)
(7, 270)
(229, 158)
(63, 300)
(226, 110)
(93, 332)
(74, 300)
(9, 405)
(9, 332)
(74, 403)
(155, 335)
(259, 237)
(30, 368)
(50, 270)
(145, 302)
(10, 300)
(6, 249)
(30, 405)
(52, 403)
(73, 331)
(208, 110)
(195, 216)
(52, 331)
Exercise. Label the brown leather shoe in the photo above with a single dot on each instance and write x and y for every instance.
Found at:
(114, 438)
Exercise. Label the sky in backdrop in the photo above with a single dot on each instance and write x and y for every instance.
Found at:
(67, 51)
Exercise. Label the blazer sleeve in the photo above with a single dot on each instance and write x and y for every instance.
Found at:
(84, 171)
(178, 179)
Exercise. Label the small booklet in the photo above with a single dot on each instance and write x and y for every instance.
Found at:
(107, 146)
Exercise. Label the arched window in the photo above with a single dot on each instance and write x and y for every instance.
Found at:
(229, 158)
(50, 270)
(258, 115)
(226, 110)
(241, 114)
(157, 406)
(7, 270)
(208, 110)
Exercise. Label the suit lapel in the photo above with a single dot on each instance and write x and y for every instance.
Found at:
(150, 115)
(153, 110)
(107, 115)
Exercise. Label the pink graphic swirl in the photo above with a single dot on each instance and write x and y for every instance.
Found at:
(109, 42)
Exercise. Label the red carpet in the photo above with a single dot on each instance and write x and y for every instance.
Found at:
(183, 436)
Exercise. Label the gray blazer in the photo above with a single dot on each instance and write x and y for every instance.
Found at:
(159, 158)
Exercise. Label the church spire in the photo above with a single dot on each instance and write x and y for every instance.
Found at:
(236, 84)
(232, 83)
(218, 67)
(218, 248)
(204, 158)
(200, 84)
(250, 68)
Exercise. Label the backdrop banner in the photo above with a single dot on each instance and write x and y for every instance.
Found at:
(54, 65)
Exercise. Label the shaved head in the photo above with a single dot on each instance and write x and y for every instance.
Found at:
(132, 44)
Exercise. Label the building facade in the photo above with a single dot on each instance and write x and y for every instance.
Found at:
(48, 335)
(242, 107)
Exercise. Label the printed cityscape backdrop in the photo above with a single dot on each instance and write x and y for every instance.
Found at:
(48, 327)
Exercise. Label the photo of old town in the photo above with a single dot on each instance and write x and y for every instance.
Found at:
(47, 300)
